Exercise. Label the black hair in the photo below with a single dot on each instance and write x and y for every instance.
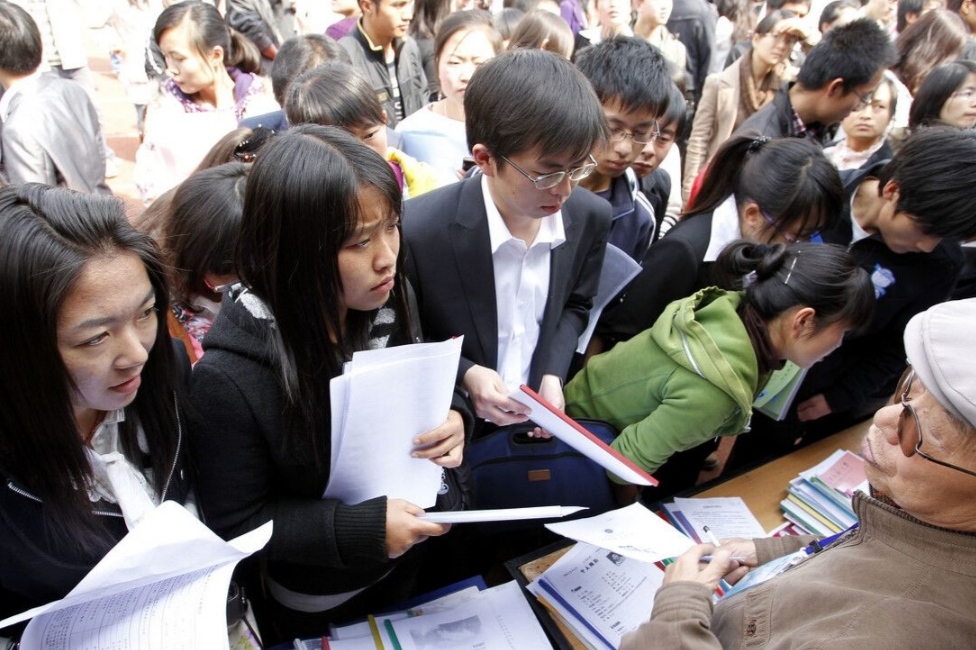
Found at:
(789, 178)
(47, 236)
(22, 47)
(936, 89)
(935, 170)
(427, 18)
(676, 112)
(506, 20)
(530, 99)
(335, 94)
(301, 205)
(831, 11)
(825, 277)
(778, 4)
(207, 31)
(299, 54)
(936, 37)
(854, 52)
(769, 21)
(543, 30)
(460, 21)
(906, 7)
(201, 230)
(629, 71)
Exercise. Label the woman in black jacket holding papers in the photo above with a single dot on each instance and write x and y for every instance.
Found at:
(320, 279)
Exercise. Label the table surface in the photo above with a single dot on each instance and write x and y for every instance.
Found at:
(761, 488)
(765, 486)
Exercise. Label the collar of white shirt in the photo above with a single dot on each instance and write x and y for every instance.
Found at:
(551, 230)
(725, 228)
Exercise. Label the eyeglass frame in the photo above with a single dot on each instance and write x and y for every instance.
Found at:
(862, 100)
(621, 134)
(581, 172)
(788, 236)
(907, 408)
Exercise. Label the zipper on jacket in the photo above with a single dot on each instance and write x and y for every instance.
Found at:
(169, 478)
(687, 349)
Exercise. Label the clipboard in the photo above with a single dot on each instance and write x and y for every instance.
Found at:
(573, 434)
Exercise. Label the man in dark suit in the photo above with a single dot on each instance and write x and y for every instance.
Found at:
(510, 258)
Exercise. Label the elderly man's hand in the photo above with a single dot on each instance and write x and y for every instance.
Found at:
(689, 567)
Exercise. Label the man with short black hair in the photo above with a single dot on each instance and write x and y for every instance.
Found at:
(510, 258)
(50, 128)
(381, 48)
(632, 81)
(838, 75)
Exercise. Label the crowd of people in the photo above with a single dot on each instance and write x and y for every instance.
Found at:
(793, 180)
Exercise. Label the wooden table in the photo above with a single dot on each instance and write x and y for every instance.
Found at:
(765, 486)
(761, 488)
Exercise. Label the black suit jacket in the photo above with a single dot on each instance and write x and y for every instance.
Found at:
(448, 261)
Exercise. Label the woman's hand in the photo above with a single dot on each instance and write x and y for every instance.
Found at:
(689, 567)
(404, 528)
(444, 445)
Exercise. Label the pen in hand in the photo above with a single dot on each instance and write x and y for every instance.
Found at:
(711, 536)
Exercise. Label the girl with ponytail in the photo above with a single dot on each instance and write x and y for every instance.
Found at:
(212, 85)
(695, 373)
(765, 190)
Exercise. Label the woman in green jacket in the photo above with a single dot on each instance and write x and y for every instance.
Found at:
(695, 373)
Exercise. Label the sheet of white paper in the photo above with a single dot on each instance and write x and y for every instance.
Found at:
(388, 404)
(144, 568)
(558, 426)
(634, 532)
(500, 619)
(502, 514)
(617, 271)
(187, 611)
(612, 593)
(724, 516)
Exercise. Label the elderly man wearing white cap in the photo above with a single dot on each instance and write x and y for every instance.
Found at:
(905, 577)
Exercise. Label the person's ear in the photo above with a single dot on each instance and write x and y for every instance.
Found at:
(366, 7)
(217, 56)
(386, 118)
(890, 191)
(835, 88)
(753, 220)
(803, 323)
(484, 159)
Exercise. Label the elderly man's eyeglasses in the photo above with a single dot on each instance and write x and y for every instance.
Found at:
(910, 436)
(548, 181)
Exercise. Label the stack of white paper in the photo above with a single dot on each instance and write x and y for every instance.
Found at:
(384, 400)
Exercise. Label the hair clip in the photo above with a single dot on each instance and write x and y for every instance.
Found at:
(246, 150)
(758, 142)
(789, 273)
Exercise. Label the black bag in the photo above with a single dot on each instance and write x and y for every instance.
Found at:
(511, 470)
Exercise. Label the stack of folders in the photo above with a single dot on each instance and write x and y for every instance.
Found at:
(819, 499)
(468, 617)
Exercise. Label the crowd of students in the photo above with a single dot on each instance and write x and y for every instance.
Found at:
(442, 171)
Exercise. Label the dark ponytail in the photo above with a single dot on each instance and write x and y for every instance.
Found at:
(789, 178)
(778, 278)
(207, 31)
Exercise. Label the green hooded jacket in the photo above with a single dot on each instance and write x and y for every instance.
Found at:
(690, 377)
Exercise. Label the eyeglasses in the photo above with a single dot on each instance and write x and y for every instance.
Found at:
(636, 137)
(910, 437)
(863, 100)
(789, 237)
(548, 181)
